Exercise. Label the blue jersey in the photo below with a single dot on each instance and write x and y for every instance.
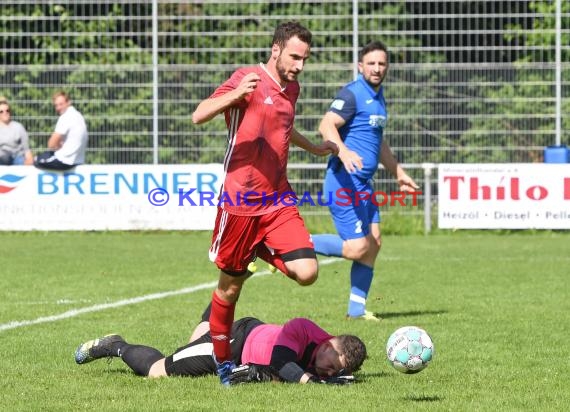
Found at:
(364, 111)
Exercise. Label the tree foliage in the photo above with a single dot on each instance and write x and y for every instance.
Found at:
(524, 108)
(102, 54)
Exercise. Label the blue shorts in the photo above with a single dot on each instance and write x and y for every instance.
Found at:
(351, 212)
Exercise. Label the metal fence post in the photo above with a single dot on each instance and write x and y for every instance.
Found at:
(427, 196)
(155, 82)
(558, 121)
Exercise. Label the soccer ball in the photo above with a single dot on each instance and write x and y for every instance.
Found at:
(409, 349)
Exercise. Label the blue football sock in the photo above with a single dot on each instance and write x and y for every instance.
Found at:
(360, 281)
(328, 245)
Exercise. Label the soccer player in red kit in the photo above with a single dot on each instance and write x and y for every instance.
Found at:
(257, 215)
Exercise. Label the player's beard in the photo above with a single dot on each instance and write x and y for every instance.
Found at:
(284, 76)
(375, 83)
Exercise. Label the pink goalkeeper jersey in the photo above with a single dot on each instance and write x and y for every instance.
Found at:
(298, 334)
(259, 129)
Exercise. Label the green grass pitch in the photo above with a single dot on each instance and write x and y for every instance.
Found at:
(495, 304)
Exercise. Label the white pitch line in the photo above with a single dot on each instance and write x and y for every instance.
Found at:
(124, 302)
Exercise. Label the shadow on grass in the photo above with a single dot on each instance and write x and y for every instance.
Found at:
(365, 376)
(388, 315)
(119, 369)
(423, 398)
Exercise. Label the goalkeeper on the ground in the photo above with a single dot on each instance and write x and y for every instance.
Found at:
(298, 351)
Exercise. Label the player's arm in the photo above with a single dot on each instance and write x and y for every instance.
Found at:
(284, 363)
(389, 161)
(322, 149)
(328, 128)
(212, 106)
(55, 141)
(341, 111)
(290, 342)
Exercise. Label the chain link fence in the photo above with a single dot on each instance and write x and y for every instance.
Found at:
(470, 81)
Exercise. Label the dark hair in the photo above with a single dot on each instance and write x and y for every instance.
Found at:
(354, 351)
(290, 29)
(370, 47)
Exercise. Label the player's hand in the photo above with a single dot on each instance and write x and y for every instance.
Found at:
(406, 183)
(326, 148)
(351, 161)
(248, 84)
(251, 373)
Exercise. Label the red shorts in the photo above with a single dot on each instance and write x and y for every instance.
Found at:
(235, 237)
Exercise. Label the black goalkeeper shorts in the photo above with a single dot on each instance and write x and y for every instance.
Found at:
(195, 359)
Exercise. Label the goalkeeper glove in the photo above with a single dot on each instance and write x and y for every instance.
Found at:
(250, 373)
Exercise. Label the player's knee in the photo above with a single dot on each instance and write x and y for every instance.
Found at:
(358, 250)
(364, 248)
(378, 242)
(374, 246)
(230, 294)
(157, 369)
(229, 285)
(306, 279)
(306, 273)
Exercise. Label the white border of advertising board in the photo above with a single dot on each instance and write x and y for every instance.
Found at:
(110, 197)
(504, 196)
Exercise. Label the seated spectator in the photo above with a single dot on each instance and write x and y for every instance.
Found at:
(68, 142)
(14, 142)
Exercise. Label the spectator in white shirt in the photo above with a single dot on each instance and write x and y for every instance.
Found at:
(68, 142)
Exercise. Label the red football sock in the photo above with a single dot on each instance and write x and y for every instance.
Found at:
(221, 320)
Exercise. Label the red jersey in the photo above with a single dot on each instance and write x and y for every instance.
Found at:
(259, 129)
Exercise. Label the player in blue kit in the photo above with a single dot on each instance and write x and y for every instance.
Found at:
(355, 121)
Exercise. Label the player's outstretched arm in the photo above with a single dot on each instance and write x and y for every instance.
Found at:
(322, 149)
